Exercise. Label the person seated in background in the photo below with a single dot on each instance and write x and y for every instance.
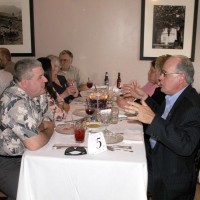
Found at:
(66, 89)
(152, 83)
(24, 121)
(69, 71)
(174, 128)
(5, 78)
(5, 57)
(56, 103)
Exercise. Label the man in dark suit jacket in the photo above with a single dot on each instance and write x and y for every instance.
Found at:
(174, 128)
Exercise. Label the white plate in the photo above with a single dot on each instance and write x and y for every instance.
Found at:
(94, 126)
(113, 138)
(79, 112)
(134, 137)
(80, 99)
(67, 129)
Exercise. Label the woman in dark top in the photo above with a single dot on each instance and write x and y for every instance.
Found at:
(55, 102)
(66, 89)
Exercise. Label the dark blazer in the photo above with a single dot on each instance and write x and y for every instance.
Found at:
(175, 158)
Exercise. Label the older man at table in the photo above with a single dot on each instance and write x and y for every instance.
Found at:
(24, 123)
(69, 71)
(174, 128)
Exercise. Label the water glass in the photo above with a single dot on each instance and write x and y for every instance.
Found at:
(114, 115)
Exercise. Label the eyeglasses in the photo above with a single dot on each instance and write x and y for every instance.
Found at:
(64, 60)
(166, 73)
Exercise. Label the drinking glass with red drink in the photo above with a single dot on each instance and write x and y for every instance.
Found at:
(89, 108)
(79, 132)
(89, 83)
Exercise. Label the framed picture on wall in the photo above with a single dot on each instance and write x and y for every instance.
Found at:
(17, 27)
(168, 27)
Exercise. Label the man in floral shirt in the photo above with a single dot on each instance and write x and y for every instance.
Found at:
(24, 121)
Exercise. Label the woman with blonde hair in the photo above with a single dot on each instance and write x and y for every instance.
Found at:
(66, 89)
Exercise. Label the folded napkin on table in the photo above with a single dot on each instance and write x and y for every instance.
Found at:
(132, 136)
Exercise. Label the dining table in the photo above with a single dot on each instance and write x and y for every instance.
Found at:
(114, 174)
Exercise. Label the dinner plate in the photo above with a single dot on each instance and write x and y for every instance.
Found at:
(80, 100)
(79, 112)
(95, 126)
(67, 129)
(113, 138)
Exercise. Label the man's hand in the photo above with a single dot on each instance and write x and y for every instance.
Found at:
(123, 101)
(134, 90)
(143, 113)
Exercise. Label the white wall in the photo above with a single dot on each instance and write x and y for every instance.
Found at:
(104, 35)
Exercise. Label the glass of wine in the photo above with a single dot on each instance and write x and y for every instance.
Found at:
(89, 83)
(89, 109)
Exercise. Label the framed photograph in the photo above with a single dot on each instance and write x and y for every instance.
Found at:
(168, 27)
(17, 27)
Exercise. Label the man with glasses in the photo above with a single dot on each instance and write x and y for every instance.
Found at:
(71, 73)
(174, 128)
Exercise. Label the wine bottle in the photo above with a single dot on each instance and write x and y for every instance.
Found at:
(119, 81)
(106, 79)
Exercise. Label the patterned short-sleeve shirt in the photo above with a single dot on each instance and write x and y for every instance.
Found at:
(20, 117)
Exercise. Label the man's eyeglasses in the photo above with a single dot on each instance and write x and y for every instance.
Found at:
(166, 73)
(64, 60)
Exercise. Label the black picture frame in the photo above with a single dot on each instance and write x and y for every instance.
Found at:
(168, 27)
(17, 27)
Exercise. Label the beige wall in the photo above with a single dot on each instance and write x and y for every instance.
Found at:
(104, 35)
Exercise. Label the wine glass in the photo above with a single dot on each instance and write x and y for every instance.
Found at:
(71, 83)
(89, 108)
(105, 117)
(89, 83)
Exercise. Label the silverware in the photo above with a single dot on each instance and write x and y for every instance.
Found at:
(110, 148)
(120, 147)
(61, 146)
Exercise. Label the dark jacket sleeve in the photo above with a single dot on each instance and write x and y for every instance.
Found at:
(180, 132)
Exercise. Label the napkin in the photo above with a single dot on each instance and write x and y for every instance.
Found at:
(131, 136)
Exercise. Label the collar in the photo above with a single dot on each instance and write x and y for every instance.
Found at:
(172, 98)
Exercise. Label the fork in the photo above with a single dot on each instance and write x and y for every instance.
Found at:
(118, 147)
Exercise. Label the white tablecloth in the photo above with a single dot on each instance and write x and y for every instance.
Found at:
(47, 174)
